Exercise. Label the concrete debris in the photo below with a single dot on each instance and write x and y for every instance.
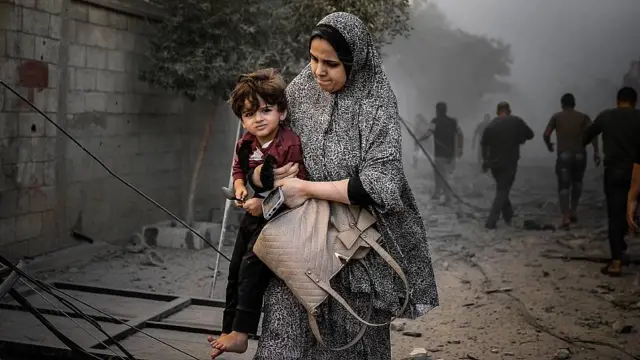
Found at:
(562, 354)
(621, 327)
(398, 325)
(418, 351)
(412, 334)
(152, 258)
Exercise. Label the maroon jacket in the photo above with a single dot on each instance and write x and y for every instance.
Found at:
(285, 148)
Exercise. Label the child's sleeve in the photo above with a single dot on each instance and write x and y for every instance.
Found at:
(294, 155)
(237, 172)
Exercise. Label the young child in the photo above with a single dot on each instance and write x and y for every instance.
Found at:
(259, 101)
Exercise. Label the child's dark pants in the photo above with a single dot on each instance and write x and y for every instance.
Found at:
(247, 281)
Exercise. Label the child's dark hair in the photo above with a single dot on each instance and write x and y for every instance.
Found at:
(266, 83)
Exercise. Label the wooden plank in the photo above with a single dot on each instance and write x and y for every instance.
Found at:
(160, 313)
(147, 295)
(20, 326)
(192, 343)
(36, 350)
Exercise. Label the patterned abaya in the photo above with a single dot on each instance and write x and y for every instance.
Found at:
(354, 132)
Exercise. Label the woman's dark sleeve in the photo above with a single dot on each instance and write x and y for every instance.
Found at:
(356, 192)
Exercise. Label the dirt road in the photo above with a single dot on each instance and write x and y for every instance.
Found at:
(505, 293)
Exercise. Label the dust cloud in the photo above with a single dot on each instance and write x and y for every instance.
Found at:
(578, 46)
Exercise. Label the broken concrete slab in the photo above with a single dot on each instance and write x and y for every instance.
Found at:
(166, 234)
(75, 256)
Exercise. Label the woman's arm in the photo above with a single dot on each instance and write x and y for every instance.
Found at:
(331, 190)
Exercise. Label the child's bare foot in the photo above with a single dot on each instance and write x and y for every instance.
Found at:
(235, 342)
(215, 352)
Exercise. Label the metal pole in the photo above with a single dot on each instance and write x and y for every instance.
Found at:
(225, 217)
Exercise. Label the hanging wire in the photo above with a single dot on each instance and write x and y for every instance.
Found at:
(130, 186)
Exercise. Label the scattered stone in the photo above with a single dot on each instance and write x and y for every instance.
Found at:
(500, 290)
(545, 273)
(412, 334)
(508, 353)
(445, 265)
(418, 357)
(418, 351)
(434, 350)
(495, 351)
(152, 258)
(398, 326)
(471, 357)
(562, 354)
(468, 304)
(455, 342)
(621, 328)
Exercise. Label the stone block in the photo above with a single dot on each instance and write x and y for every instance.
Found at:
(96, 101)
(35, 22)
(116, 60)
(76, 102)
(117, 21)
(85, 79)
(23, 206)
(42, 199)
(49, 173)
(31, 125)
(92, 35)
(50, 6)
(109, 81)
(20, 45)
(3, 45)
(96, 58)
(38, 148)
(54, 76)
(115, 103)
(26, 3)
(8, 125)
(16, 150)
(47, 49)
(7, 230)
(167, 236)
(8, 206)
(98, 16)
(28, 226)
(29, 174)
(9, 20)
(77, 55)
(49, 129)
(79, 11)
(55, 27)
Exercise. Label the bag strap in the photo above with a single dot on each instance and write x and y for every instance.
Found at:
(313, 323)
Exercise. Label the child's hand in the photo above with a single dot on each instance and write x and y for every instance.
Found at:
(253, 206)
(241, 192)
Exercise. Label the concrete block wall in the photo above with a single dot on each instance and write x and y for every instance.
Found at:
(90, 53)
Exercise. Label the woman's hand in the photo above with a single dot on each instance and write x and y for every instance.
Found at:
(253, 206)
(294, 191)
(287, 171)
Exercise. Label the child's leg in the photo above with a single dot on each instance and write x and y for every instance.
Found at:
(245, 234)
(253, 279)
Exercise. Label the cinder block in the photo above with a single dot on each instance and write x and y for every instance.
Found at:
(107, 81)
(30, 174)
(116, 60)
(23, 202)
(7, 230)
(28, 226)
(50, 6)
(38, 149)
(115, 103)
(79, 11)
(98, 16)
(117, 21)
(42, 199)
(8, 125)
(96, 101)
(20, 45)
(85, 79)
(166, 236)
(47, 50)
(76, 102)
(10, 20)
(77, 55)
(96, 58)
(26, 3)
(35, 22)
(31, 125)
(3, 45)
(55, 27)
(49, 129)
(50, 173)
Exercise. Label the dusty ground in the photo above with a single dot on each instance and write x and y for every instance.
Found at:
(501, 294)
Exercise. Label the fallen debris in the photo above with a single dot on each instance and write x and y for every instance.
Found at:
(412, 334)
(562, 354)
(500, 290)
(398, 325)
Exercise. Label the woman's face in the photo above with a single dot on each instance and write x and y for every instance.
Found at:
(326, 67)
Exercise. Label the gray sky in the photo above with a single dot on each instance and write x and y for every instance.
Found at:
(557, 44)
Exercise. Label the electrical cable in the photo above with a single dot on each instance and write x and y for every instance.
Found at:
(130, 186)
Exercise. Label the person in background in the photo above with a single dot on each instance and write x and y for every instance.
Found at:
(620, 129)
(448, 142)
(633, 216)
(500, 144)
(477, 135)
(571, 161)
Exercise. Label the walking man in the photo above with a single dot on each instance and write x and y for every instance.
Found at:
(620, 129)
(500, 144)
(571, 162)
(448, 144)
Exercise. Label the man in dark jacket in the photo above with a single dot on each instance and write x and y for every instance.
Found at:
(620, 129)
(500, 143)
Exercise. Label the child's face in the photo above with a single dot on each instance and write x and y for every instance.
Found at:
(263, 122)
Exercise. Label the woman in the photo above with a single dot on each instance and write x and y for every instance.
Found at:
(346, 115)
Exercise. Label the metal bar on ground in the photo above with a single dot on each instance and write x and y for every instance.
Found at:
(124, 331)
(7, 284)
